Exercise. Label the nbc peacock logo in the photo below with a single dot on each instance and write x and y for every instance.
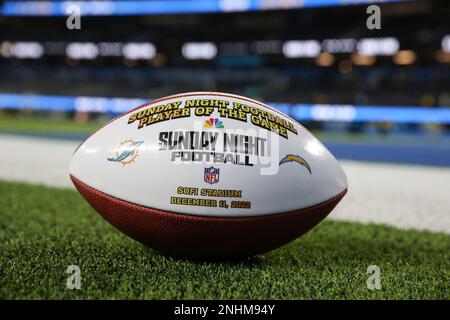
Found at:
(213, 123)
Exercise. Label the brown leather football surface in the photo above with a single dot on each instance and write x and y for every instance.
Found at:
(205, 237)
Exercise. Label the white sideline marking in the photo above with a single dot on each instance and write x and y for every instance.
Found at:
(404, 196)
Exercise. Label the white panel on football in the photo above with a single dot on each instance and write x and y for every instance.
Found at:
(209, 154)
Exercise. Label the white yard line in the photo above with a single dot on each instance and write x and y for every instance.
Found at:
(36, 160)
(405, 196)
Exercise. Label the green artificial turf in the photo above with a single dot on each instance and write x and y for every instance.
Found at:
(47, 125)
(44, 230)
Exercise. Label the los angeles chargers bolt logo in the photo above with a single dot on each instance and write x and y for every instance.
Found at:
(126, 152)
(297, 159)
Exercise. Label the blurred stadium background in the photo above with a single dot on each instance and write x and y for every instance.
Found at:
(378, 99)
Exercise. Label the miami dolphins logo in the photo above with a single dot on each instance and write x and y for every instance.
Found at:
(126, 152)
(213, 123)
(296, 158)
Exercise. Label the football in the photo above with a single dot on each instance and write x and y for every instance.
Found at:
(208, 175)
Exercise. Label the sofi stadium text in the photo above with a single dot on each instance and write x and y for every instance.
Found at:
(225, 309)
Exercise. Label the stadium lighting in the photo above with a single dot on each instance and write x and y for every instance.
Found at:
(82, 50)
(5, 49)
(234, 5)
(339, 45)
(404, 57)
(446, 43)
(199, 50)
(378, 46)
(139, 51)
(28, 50)
(333, 112)
(325, 59)
(93, 7)
(110, 49)
(22, 50)
(266, 47)
(301, 49)
(362, 59)
(442, 57)
(345, 66)
(159, 60)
